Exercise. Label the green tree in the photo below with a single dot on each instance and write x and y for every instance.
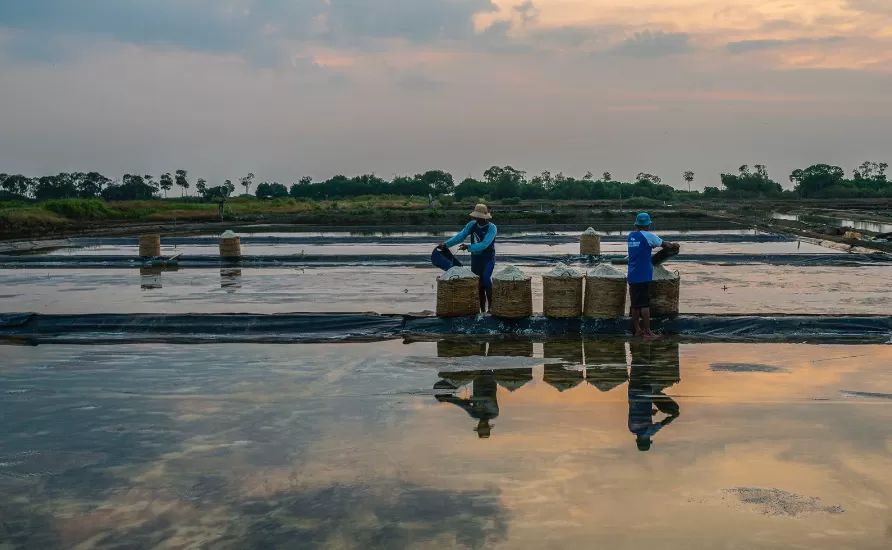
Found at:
(149, 180)
(246, 182)
(230, 187)
(90, 185)
(606, 177)
(818, 180)
(689, 177)
(504, 182)
(273, 190)
(650, 178)
(438, 181)
(166, 183)
(181, 181)
(201, 186)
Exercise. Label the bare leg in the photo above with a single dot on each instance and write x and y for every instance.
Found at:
(488, 292)
(636, 313)
(482, 294)
(645, 315)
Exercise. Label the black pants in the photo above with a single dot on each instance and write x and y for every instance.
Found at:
(639, 295)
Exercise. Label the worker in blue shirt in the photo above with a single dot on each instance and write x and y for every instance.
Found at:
(482, 233)
(641, 272)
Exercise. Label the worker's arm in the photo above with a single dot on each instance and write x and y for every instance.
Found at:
(460, 237)
(656, 242)
(486, 242)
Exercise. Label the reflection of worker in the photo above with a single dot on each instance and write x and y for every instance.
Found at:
(482, 249)
(482, 405)
(647, 381)
(641, 271)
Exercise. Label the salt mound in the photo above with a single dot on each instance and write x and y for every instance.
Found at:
(605, 271)
(560, 270)
(511, 273)
(663, 274)
(590, 231)
(458, 273)
(228, 234)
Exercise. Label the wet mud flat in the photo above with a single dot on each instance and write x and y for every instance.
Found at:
(473, 443)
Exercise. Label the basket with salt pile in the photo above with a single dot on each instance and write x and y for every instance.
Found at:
(664, 293)
(230, 245)
(150, 246)
(605, 292)
(457, 293)
(510, 348)
(512, 294)
(590, 243)
(562, 292)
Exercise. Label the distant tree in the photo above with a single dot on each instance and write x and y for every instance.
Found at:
(271, 191)
(504, 182)
(166, 183)
(650, 178)
(246, 182)
(201, 186)
(471, 188)
(306, 180)
(181, 181)
(588, 176)
(761, 171)
(230, 187)
(133, 187)
(606, 177)
(744, 170)
(149, 180)
(60, 186)
(818, 180)
(90, 185)
(438, 181)
(16, 184)
(689, 177)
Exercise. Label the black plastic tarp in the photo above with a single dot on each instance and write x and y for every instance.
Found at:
(105, 328)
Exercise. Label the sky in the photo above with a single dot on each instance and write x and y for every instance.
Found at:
(290, 88)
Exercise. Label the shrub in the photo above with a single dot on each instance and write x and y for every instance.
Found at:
(80, 209)
(447, 201)
(643, 202)
(511, 201)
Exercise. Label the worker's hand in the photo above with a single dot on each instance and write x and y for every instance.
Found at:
(463, 247)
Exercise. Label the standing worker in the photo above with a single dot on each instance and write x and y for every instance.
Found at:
(641, 271)
(482, 248)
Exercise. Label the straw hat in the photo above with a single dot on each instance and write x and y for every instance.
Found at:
(481, 212)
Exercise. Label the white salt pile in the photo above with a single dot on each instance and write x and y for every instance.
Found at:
(228, 234)
(663, 274)
(511, 273)
(458, 273)
(605, 271)
(560, 270)
(590, 231)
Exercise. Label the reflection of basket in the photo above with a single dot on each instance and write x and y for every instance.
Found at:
(562, 296)
(510, 348)
(458, 297)
(230, 247)
(567, 351)
(664, 297)
(605, 297)
(590, 245)
(605, 352)
(512, 299)
(453, 348)
(150, 246)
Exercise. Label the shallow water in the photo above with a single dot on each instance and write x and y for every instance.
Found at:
(858, 225)
(422, 445)
(706, 288)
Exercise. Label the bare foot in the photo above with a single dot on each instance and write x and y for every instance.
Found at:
(650, 336)
(638, 333)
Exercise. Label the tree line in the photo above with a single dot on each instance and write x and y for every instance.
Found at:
(868, 180)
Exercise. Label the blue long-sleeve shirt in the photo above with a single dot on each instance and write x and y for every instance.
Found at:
(478, 247)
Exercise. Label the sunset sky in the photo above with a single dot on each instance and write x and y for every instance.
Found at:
(287, 88)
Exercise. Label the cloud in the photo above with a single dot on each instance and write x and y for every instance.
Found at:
(871, 6)
(744, 46)
(528, 12)
(416, 80)
(252, 29)
(649, 44)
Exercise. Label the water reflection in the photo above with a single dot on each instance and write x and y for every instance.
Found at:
(230, 279)
(655, 367)
(150, 278)
(649, 368)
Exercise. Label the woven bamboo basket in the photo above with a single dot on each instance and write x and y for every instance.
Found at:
(510, 348)
(590, 245)
(566, 351)
(231, 247)
(150, 246)
(605, 352)
(512, 299)
(562, 296)
(458, 297)
(605, 297)
(458, 348)
(665, 296)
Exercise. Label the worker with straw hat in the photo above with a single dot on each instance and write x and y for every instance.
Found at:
(482, 233)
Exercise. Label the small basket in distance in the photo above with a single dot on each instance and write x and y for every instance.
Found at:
(590, 243)
(150, 246)
(230, 247)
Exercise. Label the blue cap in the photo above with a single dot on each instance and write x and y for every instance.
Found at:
(643, 220)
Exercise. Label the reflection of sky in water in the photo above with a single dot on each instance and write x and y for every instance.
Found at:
(706, 288)
(349, 446)
(858, 225)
